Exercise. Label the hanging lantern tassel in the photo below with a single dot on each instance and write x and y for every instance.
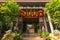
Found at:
(40, 14)
(32, 15)
(29, 14)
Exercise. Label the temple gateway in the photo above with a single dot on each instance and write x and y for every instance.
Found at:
(32, 16)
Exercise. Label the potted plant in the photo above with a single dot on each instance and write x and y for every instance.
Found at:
(18, 35)
(8, 35)
(55, 35)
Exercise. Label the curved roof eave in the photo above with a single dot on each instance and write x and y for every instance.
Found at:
(28, 0)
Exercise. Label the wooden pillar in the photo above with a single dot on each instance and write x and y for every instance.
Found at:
(44, 23)
(42, 17)
(40, 23)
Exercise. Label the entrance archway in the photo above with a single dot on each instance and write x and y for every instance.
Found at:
(32, 16)
(30, 23)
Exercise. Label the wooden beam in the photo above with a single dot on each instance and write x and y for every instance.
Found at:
(28, 0)
(32, 8)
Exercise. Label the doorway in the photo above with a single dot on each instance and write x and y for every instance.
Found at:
(30, 24)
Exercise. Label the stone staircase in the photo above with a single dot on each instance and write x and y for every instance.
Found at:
(31, 37)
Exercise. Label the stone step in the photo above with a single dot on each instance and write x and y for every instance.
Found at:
(31, 37)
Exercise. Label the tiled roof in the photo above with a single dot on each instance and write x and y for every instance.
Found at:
(28, 0)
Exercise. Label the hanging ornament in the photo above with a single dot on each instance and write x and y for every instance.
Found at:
(22, 12)
(34, 13)
(29, 14)
(40, 13)
(26, 12)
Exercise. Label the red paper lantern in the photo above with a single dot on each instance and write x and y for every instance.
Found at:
(36, 15)
(32, 15)
(29, 14)
(40, 13)
(22, 12)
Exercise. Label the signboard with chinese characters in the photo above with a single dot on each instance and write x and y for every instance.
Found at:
(32, 13)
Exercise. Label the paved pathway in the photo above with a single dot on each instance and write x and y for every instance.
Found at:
(31, 37)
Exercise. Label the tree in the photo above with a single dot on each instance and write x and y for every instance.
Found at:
(9, 12)
(53, 8)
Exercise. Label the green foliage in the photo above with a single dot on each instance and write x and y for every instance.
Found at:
(53, 8)
(9, 12)
(39, 32)
(43, 34)
(18, 35)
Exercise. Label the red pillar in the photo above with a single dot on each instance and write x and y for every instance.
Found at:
(44, 23)
(41, 15)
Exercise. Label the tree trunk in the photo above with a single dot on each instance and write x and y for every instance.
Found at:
(50, 23)
(0, 34)
(11, 25)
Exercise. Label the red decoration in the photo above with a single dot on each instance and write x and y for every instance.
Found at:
(40, 12)
(21, 11)
(33, 13)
